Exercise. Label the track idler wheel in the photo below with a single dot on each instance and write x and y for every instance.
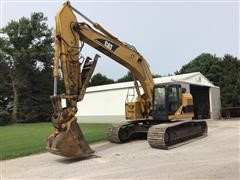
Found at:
(117, 134)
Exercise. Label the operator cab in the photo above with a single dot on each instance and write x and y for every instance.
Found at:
(169, 100)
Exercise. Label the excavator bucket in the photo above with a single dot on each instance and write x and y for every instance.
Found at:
(70, 143)
(68, 139)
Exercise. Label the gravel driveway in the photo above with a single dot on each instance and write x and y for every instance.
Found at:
(213, 157)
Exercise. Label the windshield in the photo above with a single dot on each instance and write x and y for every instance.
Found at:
(159, 99)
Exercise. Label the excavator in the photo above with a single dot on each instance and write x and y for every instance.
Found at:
(162, 112)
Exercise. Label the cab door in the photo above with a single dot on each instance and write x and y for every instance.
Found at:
(159, 112)
(173, 100)
(166, 101)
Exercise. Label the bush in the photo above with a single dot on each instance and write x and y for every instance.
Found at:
(4, 118)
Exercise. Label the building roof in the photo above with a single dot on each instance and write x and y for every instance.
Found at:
(195, 78)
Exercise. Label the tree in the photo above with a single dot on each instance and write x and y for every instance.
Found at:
(99, 79)
(156, 75)
(5, 88)
(126, 78)
(5, 79)
(229, 81)
(205, 63)
(27, 50)
(129, 77)
(223, 72)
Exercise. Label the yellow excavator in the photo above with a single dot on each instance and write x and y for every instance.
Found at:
(162, 112)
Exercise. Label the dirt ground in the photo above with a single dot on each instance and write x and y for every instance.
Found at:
(213, 157)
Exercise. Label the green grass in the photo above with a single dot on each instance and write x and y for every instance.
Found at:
(24, 139)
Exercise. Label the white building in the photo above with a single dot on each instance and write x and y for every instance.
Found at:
(106, 103)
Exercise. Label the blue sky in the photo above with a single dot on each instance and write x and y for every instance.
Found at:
(167, 33)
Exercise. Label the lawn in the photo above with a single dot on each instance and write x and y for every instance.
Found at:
(25, 139)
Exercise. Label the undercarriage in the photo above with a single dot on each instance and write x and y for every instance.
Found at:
(159, 135)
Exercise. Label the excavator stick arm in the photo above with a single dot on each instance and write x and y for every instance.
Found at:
(67, 139)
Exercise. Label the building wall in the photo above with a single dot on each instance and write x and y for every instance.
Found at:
(186, 86)
(106, 104)
(215, 103)
(103, 106)
(109, 102)
(102, 119)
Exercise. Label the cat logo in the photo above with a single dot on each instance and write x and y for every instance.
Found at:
(107, 44)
